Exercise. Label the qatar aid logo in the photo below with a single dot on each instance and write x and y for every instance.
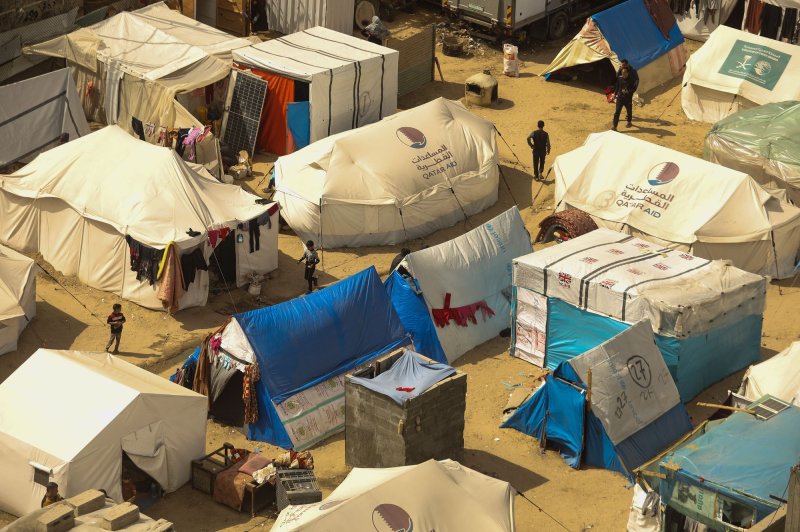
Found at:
(663, 173)
(412, 137)
(391, 518)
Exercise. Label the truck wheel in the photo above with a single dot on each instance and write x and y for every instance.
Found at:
(364, 11)
(558, 25)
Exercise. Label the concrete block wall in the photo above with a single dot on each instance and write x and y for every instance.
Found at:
(381, 433)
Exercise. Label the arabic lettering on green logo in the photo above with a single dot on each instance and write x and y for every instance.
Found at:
(760, 65)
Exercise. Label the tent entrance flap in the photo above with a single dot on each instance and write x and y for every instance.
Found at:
(272, 135)
(599, 73)
(146, 449)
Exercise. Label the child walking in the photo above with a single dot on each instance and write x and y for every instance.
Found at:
(115, 319)
(311, 259)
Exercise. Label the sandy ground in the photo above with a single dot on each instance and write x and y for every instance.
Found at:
(72, 316)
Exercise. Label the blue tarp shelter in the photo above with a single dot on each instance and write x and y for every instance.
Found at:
(635, 409)
(706, 315)
(311, 340)
(410, 305)
(625, 31)
(728, 471)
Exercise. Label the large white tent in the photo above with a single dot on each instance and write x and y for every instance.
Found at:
(36, 112)
(430, 496)
(680, 201)
(17, 296)
(402, 178)
(735, 70)
(75, 204)
(350, 82)
(135, 63)
(778, 376)
(69, 416)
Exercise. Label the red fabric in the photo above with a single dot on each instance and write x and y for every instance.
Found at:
(272, 136)
(461, 315)
(405, 389)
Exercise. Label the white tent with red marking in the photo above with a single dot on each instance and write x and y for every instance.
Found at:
(679, 201)
(430, 496)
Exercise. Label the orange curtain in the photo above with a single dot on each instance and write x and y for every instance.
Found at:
(272, 136)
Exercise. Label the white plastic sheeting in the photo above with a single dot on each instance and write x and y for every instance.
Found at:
(676, 292)
(410, 174)
(75, 203)
(35, 112)
(430, 496)
(473, 267)
(778, 376)
(629, 366)
(290, 16)
(17, 296)
(736, 70)
(679, 201)
(353, 82)
(75, 413)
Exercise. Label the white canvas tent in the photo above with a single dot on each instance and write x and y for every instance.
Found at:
(680, 201)
(696, 27)
(68, 417)
(352, 82)
(290, 16)
(778, 376)
(430, 496)
(735, 70)
(470, 270)
(35, 113)
(17, 296)
(135, 63)
(76, 203)
(410, 174)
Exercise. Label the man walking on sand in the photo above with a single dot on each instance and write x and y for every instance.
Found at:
(623, 92)
(539, 142)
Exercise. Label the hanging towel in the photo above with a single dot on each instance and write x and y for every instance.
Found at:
(170, 288)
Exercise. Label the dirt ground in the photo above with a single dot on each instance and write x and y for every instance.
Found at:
(72, 316)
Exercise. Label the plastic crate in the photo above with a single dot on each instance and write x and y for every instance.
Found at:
(296, 486)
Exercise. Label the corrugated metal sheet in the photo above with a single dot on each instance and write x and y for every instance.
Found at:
(290, 16)
(416, 59)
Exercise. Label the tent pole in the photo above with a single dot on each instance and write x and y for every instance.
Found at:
(587, 409)
(321, 246)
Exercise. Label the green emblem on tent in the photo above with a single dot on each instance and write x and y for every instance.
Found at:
(760, 65)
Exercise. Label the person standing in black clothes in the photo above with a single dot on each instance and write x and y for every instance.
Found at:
(623, 93)
(539, 142)
(634, 74)
(312, 259)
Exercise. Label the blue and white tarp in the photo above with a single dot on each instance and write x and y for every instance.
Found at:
(465, 271)
(635, 409)
(571, 297)
(734, 466)
(305, 346)
(410, 376)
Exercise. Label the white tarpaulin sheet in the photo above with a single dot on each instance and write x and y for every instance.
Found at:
(353, 82)
(631, 385)
(290, 16)
(530, 338)
(679, 201)
(630, 280)
(430, 496)
(76, 203)
(75, 413)
(35, 112)
(436, 162)
(778, 376)
(17, 296)
(736, 70)
(472, 268)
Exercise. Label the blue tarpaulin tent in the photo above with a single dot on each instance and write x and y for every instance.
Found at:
(413, 312)
(307, 341)
(635, 410)
(625, 31)
(730, 470)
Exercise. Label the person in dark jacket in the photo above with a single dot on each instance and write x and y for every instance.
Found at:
(634, 74)
(539, 142)
(623, 94)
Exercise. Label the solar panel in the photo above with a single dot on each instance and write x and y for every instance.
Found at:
(243, 105)
(768, 407)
